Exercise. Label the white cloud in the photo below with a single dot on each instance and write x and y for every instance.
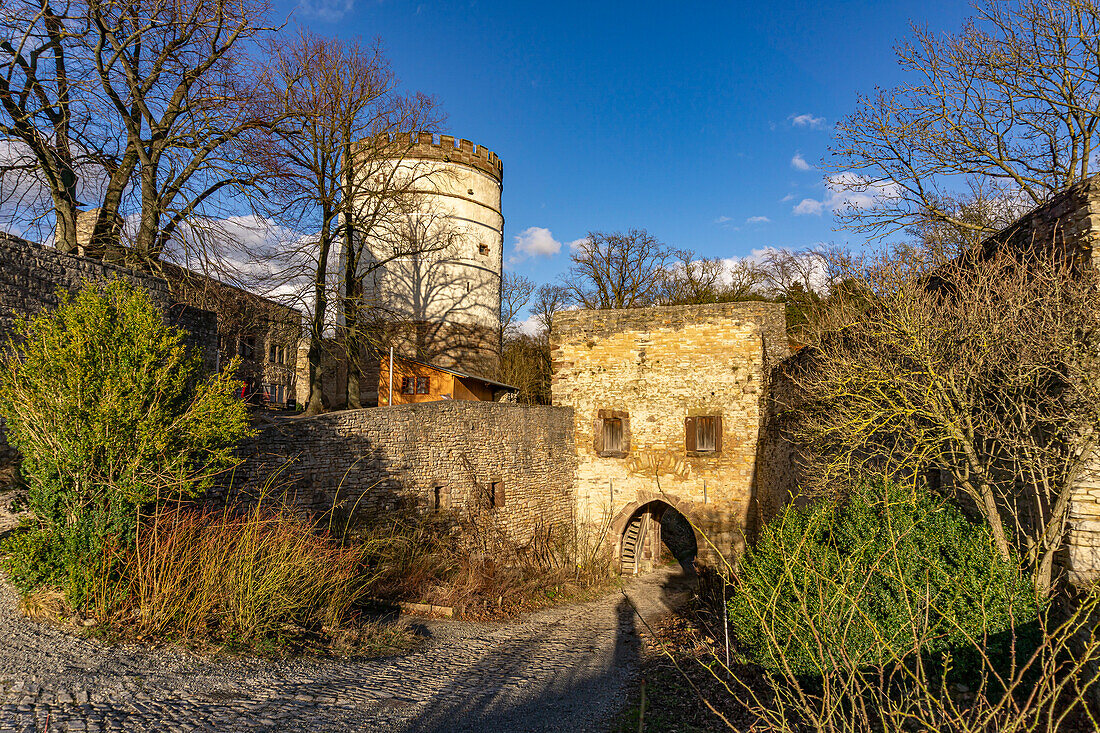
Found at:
(799, 163)
(808, 206)
(576, 243)
(327, 10)
(536, 242)
(723, 220)
(785, 199)
(807, 120)
(849, 191)
(757, 220)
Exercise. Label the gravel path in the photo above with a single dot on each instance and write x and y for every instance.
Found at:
(563, 669)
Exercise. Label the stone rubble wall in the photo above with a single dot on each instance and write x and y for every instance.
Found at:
(31, 276)
(657, 367)
(362, 462)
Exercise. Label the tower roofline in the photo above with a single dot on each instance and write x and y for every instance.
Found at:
(426, 146)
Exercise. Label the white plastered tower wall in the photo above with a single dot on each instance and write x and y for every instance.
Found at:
(442, 300)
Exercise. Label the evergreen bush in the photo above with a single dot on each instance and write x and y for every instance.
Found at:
(111, 412)
(889, 573)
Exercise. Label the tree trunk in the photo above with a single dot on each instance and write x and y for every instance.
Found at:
(317, 323)
(65, 225)
(352, 347)
(316, 404)
(996, 525)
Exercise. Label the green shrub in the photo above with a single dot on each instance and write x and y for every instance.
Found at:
(111, 412)
(879, 577)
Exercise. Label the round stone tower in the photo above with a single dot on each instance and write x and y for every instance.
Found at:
(441, 294)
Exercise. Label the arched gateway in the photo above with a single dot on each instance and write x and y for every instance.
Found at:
(643, 529)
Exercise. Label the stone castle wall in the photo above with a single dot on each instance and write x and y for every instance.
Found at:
(655, 369)
(1070, 222)
(31, 276)
(371, 460)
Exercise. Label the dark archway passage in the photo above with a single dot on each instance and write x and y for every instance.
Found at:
(652, 525)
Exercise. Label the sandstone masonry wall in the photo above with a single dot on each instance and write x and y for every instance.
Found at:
(655, 368)
(367, 461)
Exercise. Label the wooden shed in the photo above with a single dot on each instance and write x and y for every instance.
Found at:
(419, 381)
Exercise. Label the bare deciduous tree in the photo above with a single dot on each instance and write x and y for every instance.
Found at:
(984, 369)
(349, 127)
(617, 269)
(175, 75)
(996, 119)
(515, 293)
(691, 280)
(36, 107)
(549, 301)
(139, 106)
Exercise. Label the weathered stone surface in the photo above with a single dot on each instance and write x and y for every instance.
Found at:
(369, 460)
(654, 369)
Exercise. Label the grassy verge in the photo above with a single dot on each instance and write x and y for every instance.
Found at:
(262, 580)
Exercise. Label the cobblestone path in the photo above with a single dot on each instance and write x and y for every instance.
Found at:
(563, 669)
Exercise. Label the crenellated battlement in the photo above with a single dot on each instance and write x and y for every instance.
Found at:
(443, 147)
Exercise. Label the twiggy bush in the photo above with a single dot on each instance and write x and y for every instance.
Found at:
(110, 410)
(889, 572)
(249, 576)
(845, 651)
(465, 561)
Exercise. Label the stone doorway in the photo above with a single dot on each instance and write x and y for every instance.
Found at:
(652, 526)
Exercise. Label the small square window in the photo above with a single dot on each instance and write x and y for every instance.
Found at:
(483, 249)
(408, 385)
(703, 434)
(422, 384)
(612, 436)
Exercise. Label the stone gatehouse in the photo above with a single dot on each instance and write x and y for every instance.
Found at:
(654, 408)
(669, 410)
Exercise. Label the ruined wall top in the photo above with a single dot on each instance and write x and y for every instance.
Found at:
(1070, 222)
(770, 317)
(444, 148)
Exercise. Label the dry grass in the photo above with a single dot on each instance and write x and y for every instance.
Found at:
(449, 560)
(261, 574)
(44, 604)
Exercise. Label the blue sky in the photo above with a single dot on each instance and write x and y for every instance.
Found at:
(680, 118)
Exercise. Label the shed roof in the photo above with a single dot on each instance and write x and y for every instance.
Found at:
(455, 372)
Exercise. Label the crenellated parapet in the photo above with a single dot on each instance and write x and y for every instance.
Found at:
(426, 146)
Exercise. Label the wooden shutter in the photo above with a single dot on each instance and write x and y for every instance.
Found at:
(690, 427)
(718, 434)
